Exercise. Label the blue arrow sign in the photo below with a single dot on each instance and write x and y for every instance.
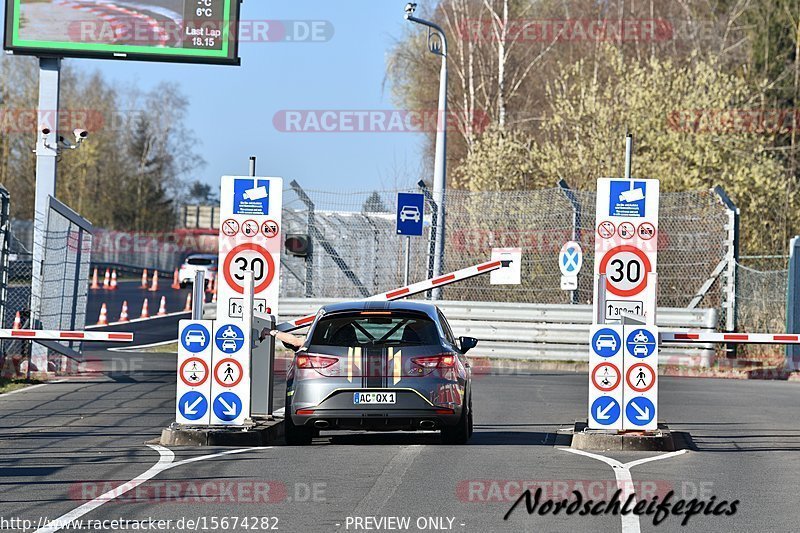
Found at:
(230, 338)
(410, 213)
(606, 342)
(195, 338)
(641, 343)
(227, 406)
(193, 405)
(605, 410)
(640, 411)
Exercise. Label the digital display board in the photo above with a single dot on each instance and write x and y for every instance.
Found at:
(191, 31)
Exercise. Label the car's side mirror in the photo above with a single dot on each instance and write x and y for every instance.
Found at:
(467, 343)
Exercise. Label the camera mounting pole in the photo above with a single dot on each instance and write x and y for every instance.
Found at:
(46, 161)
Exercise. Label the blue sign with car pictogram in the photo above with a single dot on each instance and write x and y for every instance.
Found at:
(410, 213)
(195, 338)
(606, 342)
(230, 338)
(641, 343)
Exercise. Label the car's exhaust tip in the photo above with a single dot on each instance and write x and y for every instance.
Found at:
(427, 424)
(321, 424)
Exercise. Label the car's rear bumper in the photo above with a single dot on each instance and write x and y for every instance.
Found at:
(409, 412)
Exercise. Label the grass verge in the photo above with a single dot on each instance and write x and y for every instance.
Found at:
(9, 384)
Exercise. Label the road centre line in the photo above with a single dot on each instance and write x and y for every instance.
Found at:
(630, 522)
(387, 482)
(165, 462)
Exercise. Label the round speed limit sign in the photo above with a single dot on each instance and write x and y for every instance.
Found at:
(249, 257)
(626, 268)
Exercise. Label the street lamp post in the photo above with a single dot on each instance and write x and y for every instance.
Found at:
(437, 44)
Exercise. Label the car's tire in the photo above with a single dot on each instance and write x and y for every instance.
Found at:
(184, 284)
(471, 427)
(296, 435)
(460, 433)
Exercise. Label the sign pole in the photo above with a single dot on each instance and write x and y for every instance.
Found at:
(408, 260)
(46, 161)
(199, 296)
(628, 155)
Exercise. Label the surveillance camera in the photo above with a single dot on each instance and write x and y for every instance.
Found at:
(45, 131)
(410, 8)
(80, 134)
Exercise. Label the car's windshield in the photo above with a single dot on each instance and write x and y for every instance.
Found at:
(375, 329)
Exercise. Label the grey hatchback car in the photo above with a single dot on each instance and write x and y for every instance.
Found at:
(380, 366)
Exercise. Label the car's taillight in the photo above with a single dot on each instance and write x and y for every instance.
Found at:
(315, 361)
(443, 360)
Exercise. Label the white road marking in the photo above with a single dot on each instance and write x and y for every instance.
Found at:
(630, 522)
(387, 482)
(165, 462)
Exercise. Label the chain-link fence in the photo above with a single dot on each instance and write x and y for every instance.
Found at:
(761, 302)
(360, 227)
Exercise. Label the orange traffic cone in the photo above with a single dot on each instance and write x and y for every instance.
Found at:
(145, 312)
(107, 279)
(162, 309)
(123, 316)
(95, 284)
(144, 278)
(175, 283)
(17, 322)
(113, 285)
(188, 306)
(103, 320)
(154, 286)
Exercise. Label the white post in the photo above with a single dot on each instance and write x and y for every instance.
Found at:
(46, 159)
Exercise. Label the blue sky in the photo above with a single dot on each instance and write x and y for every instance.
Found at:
(232, 107)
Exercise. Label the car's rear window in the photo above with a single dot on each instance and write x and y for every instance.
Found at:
(364, 329)
(200, 261)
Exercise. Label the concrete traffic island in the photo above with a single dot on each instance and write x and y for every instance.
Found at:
(661, 440)
(262, 432)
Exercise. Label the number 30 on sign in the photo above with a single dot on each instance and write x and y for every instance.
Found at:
(249, 257)
(625, 268)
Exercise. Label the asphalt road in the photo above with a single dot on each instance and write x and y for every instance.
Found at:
(64, 443)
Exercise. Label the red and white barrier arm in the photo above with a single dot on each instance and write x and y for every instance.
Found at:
(54, 335)
(410, 290)
(745, 338)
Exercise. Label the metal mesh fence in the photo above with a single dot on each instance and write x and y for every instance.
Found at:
(761, 300)
(361, 228)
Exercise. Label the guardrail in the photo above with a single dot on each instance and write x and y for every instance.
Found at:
(543, 331)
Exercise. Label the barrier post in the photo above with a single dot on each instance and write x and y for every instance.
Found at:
(199, 296)
(793, 304)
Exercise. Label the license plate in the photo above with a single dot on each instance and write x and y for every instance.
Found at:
(373, 398)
